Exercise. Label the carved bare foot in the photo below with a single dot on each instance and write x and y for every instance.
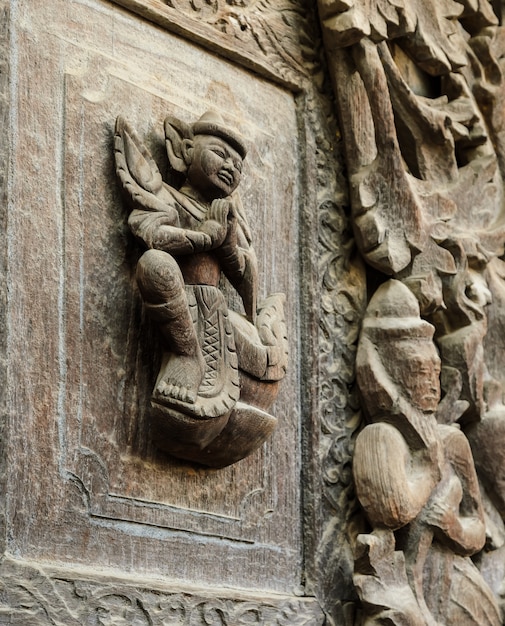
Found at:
(182, 377)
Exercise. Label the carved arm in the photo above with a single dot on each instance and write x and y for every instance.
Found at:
(239, 263)
(157, 230)
(393, 482)
(455, 509)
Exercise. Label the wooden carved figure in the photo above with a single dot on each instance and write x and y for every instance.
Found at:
(220, 369)
(415, 479)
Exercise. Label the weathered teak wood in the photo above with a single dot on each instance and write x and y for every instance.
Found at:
(100, 525)
(376, 209)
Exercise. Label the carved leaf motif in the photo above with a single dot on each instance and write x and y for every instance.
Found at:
(291, 616)
(437, 44)
(138, 172)
(430, 28)
(381, 580)
(141, 168)
(389, 223)
(489, 87)
(430, 129)
(31, 597)
(118, 610)
(350, 21)
(280, 29)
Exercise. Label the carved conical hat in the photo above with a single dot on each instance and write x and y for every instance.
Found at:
(211, 123)
(394, 309)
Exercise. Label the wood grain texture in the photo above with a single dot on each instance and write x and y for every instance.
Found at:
(95, 490)
(253, 32)
(6, 88)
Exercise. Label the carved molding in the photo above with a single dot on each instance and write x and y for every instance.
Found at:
(41, 595)
(5, 154)
(273, 38)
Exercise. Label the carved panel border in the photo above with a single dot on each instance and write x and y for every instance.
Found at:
(83, 457)
(39, 595)
(247, 31)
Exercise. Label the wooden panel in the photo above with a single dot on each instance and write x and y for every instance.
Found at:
(94, 489)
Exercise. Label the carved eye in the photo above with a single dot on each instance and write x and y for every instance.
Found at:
(238, 166)
(219, 153)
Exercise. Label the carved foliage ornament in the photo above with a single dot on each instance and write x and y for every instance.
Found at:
(220, 369)
(420, 92)
(32, 596)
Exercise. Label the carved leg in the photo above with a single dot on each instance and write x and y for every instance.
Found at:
(263, 349)
(162, 287)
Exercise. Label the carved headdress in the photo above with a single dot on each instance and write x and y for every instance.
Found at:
(392, 331)
(393, 313)
(211, 123)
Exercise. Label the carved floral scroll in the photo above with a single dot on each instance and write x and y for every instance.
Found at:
(419, 89)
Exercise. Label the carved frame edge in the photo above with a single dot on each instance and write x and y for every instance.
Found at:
(196, 30)
(36, 594)
(6, 139)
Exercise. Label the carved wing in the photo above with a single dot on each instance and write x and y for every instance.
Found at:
(139, 175)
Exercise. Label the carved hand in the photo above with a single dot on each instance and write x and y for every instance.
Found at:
(231, 234)
(216, 224)
(465, 534)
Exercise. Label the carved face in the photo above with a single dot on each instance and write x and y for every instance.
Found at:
(417, 373)
(215, 167)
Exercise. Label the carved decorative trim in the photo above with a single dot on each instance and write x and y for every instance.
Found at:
(39, 595)
(247, 31)
(342, 297)
(339, 288)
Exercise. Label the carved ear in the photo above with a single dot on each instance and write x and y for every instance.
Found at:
(187, 151)
(176, 134)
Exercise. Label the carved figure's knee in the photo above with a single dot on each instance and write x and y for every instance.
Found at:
(159, 277)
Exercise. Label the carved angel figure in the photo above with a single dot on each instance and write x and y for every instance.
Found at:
(415, 479)
(219, 368)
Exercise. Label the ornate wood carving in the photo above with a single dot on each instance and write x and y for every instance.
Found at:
(418, 89)
(415, 479)
(341, 291)
(220, 369)
(36, 595)
(419, 94)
